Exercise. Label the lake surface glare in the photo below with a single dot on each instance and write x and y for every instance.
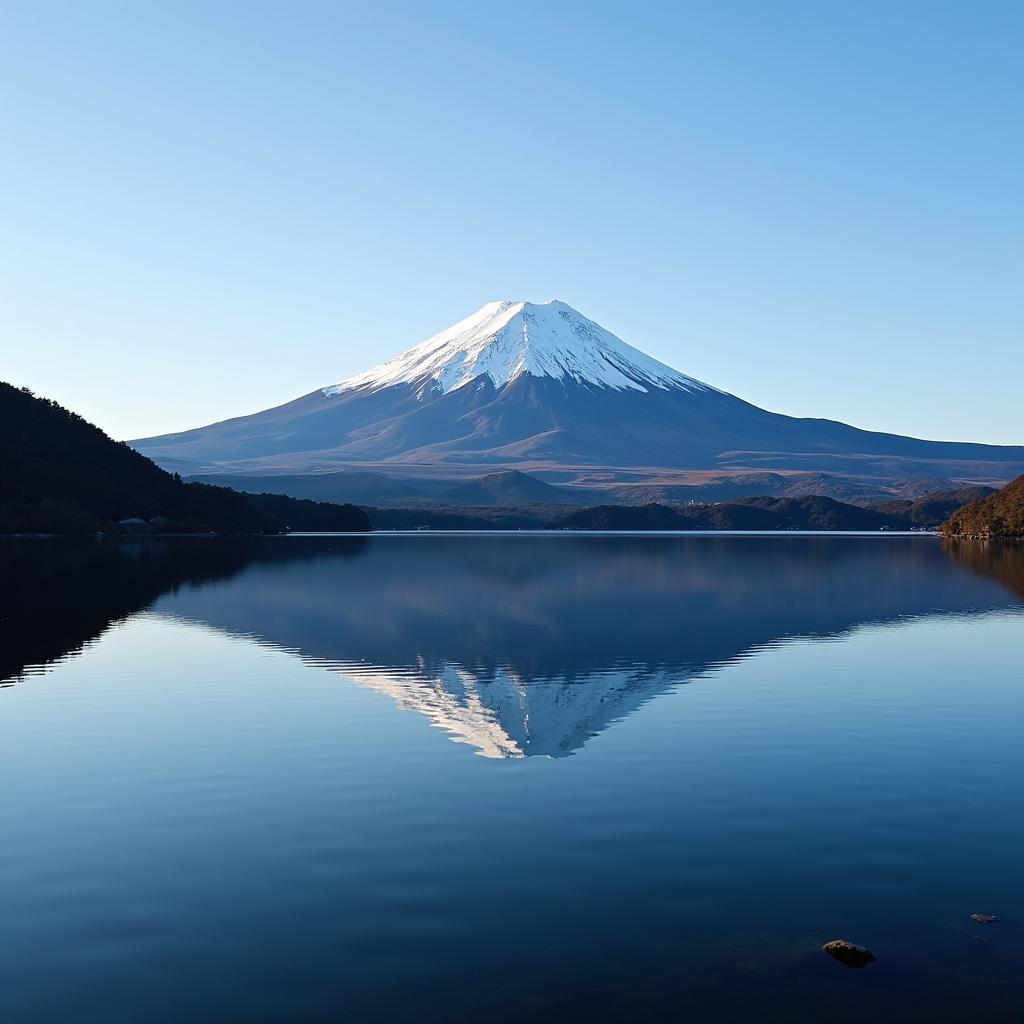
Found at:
(493, 779)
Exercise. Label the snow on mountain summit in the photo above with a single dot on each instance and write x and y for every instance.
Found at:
(506, 339)
(538, 387)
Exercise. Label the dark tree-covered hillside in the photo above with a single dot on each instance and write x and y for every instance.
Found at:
(999, 515)
(765, 513)
(304, 514)
(61, 474)
(931, 510)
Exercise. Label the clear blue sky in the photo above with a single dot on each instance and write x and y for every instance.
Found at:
(210, 208)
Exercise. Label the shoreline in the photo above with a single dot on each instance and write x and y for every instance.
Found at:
(483, 532)
(629, 533)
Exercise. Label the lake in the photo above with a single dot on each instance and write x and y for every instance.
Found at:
(477, 778)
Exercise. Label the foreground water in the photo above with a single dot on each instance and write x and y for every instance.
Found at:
(553, 778)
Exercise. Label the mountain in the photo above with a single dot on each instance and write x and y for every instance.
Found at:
(811, 512)
(814, 512)
(61, 474)
(464, 517)
(750, 485)
(513, 488)
(999, 515)
(356, 486)
(625, 517)
(765, 513)
(540, 388)
(931, 510)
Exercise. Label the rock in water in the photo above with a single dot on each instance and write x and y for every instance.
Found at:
(984, 918)
(849, 953)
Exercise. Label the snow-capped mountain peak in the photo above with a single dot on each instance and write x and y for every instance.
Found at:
(538, 387)
(504, 340)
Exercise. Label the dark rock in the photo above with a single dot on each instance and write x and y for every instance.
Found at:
(849, 953)
(984, 918)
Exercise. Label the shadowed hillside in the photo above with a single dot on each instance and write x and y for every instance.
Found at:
(61, 474)
(929, 510)
(999, 515)
(811, 513)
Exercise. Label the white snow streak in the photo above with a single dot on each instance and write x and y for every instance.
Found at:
(504, 340)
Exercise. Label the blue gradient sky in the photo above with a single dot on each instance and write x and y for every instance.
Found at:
(209, 209)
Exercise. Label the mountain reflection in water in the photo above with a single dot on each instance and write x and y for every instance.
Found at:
(516, 645)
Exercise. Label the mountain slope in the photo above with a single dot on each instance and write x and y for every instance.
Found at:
(61, 474)
(354, 486)
(765, 513)
(930, 510)
(999, 515)
(513, 488)
(542, 388)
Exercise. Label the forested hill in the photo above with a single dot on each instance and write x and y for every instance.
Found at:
(999, 515)
(809, 513)
(61, 474)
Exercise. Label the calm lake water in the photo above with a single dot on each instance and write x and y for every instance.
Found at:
(501, 779)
